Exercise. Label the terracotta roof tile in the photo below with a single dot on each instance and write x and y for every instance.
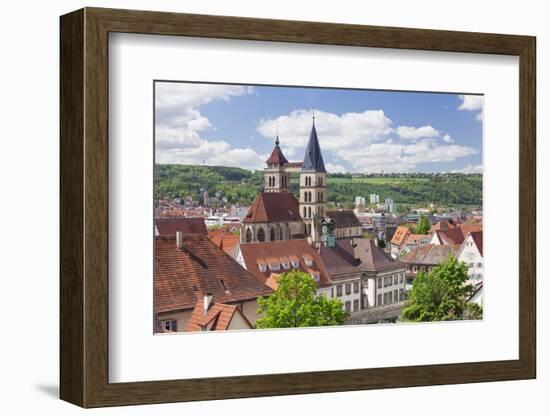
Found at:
(218, 317)
(450, 236)
(429, 254)
(444, 225)
(477, 236)
(470, 227)
(400, 234)
(344, 218)
(354, 256)
(295, 250)
(183, 276)
(277, 156)
(273, 207)
(224, 239)
(169, 226)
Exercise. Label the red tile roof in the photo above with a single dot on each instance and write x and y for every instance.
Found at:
(344, 218)
(218, 317)
(415, 238)
(400, 234)
(277, 156)
(183, 276)
(273, 207)
(169, 226)
(429, 254)
(224, 239)
(276, 253)
(469, 227)
(477, 236)
(444, 225)
(356, 255)
(450, 236)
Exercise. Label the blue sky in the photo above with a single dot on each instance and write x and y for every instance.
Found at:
(359, 130)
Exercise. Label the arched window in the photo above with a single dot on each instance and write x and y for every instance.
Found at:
(272, 234)
(261, 234)
(305, 212)
(309, 212)
(248, 235)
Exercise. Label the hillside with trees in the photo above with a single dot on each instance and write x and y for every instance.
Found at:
(240, 186)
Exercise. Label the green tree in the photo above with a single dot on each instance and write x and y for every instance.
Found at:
(381, 243)
(423, 225)
(441, 295)
(296, 303)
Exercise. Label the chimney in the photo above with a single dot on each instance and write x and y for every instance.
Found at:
(207, 302)
(179, 239)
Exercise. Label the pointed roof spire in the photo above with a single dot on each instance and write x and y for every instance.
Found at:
(313, 159)
(277, 154)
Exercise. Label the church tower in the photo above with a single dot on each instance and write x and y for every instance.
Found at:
(276, 178)
(313, 187)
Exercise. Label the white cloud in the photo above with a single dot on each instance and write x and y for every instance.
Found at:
(332, 168)
(334, 131)
(188, 95)
(358, 141)
(472, 103)
(469, 169)
(364, 140)
(179, 123)
(407, 132)
(394, 157)
(212, 153)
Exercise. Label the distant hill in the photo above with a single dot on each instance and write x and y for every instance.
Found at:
(240, 186)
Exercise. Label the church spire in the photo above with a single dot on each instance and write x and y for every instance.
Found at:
(277, 156)
(313, 159)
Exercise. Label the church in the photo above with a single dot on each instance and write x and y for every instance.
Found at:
(327, 244)
(276, 214)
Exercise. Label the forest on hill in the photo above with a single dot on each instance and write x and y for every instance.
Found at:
(240, 186)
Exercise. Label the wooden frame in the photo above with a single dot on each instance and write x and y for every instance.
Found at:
(84, 207)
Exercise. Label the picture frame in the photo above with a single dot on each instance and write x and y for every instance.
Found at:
(84, 216)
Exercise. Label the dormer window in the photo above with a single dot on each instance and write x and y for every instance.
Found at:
(262, 265)
(309, 260)
(222, 282)
(286, 265)
(294, 261)
(275, 267)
